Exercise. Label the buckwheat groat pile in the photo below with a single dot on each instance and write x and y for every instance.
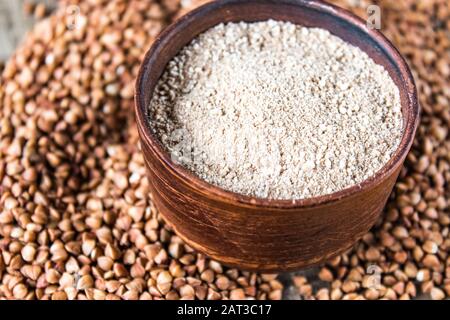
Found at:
(406, 254)
(271, 109)
(76, 218)
(86, 204)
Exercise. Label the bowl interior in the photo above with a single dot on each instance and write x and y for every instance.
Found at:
(307, 13)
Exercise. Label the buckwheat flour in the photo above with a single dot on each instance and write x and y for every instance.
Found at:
(272, 109)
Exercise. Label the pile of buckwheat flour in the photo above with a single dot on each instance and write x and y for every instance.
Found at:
(272, 109)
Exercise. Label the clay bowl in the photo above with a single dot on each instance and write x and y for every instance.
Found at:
(262, 234)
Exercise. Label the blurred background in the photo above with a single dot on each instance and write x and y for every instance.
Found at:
(16, 18)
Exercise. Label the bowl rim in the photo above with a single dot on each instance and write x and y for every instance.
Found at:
(223, 195)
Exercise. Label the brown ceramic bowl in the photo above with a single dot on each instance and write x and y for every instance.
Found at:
(263, 234)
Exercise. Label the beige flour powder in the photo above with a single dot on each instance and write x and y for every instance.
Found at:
(272, 109)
